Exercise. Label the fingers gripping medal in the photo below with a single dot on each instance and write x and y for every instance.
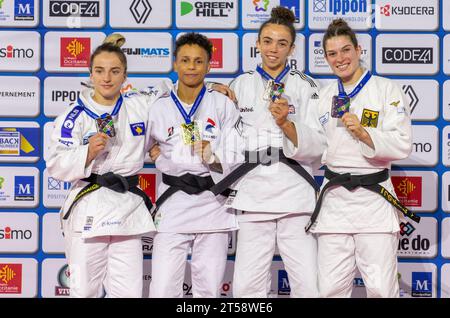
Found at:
(105, 125)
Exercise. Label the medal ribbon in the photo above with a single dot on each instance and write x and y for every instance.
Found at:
(198, 100)
(266, 75)
(94, 115)
(356, 90)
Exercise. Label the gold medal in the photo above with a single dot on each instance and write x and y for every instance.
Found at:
(190, 133)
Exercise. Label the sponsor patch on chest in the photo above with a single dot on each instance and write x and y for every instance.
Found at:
(138, 129)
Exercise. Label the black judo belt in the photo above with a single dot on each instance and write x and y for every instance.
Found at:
(265, 157)
(188, 183)
(366, 181)
(113, 182)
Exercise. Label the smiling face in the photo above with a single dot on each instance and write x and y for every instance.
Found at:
(192, 65)
(275, 45)
(107, 75)
(343, 58)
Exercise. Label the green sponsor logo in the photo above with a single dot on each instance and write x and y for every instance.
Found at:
(186, 8)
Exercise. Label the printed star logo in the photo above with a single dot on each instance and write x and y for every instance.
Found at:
(264, 5)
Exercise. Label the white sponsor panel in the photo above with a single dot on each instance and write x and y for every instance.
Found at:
(55, 278)
(224, 59)
(207, 14)
(18, 277)
(446, 100)
(19, 13)
(418, 240)
(317, 62)
(19, 232)
(445, 244)
(54, 191)
(445, 278)
(446, 57)
(19, 141)
(419, 15)
(148, 52)
(19, 96)
(140, 14)
(255, 13)
(226, 290)
(446, 15)
(417, 280)
(70, 51)
(405, 54)
(446, 146)
(422, 97)
(417, 190)
(425, 149)
(52, 237)
(19, 187)
(279, 286)
(357, 13)
(20, 51)
(445, 197)
(251, 56)
(74, 14)
(60, 93)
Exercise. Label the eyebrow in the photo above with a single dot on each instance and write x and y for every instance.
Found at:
(269, 38)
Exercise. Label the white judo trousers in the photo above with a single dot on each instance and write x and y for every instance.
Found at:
(209, 257)
(256, 241)
(98, 262)
(374, 254)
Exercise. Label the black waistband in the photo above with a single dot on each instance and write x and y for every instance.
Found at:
(188, 183)
(114, 182)
(368, 181)
(264, 157)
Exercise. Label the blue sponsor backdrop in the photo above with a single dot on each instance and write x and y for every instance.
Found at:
(24, 10)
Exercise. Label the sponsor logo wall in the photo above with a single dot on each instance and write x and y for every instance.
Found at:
(45, 49)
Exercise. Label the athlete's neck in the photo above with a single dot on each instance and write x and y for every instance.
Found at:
(188, 94)
(105, 101)
(355, 77)
(274, 72)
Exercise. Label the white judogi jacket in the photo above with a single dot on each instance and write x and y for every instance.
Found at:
(219, 122)
(362, 210)
(277, 188)
(102, 212)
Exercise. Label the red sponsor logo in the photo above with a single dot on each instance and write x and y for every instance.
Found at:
(75, 52)
(217, 53)
(386, 10)
(147, 182)
(408, 190)
(10, 278)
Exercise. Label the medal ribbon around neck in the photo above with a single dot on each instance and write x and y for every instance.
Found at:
(267, 76)
(198, 100)
(356, 90)
(95, 116)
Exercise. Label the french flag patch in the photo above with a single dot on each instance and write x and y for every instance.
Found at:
(210, 125)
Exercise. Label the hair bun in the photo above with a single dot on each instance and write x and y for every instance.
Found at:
(115, 39)
(282, 13)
